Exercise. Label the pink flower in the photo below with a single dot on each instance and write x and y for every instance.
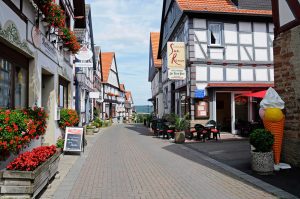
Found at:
(23, 133)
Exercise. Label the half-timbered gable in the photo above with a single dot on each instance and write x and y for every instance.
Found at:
(228, 47)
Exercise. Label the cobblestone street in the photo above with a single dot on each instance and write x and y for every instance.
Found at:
(125, 162)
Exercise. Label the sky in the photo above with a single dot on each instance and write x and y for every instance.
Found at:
(123, 27)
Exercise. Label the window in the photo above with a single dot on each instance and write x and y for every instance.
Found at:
(215, 34)
(63, 93)
(13, 85)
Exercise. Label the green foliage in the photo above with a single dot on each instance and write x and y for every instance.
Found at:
(171, 118)
(140, 117)
(60, 143)
(262, 140)
(181, 124)
(68, 117)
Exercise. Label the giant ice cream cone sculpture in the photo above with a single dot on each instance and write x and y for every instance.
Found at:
(274, 119)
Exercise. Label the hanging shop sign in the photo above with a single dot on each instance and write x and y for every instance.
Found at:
(176, 74)
(84, 54)
(73, 140)
(176, 55)
(176, 60)
(83, 65)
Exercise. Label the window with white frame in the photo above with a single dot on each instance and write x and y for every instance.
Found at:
(215, 34)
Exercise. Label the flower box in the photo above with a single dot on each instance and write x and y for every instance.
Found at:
(27, 184)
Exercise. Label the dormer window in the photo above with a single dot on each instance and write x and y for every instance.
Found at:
(215, 34)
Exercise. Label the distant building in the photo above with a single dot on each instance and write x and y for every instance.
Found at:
(84, 76)
(229, 52)
(128, 105)
(155, 75)
(111, 86)
(286, 16)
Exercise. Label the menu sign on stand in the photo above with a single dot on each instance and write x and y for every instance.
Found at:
(73, 139)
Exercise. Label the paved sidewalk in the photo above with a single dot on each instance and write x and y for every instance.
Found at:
(126, 163)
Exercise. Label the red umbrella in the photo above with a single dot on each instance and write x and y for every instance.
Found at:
(260, 94)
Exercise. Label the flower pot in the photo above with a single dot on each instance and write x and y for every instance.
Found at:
(28, 184)
(262, 162)
(90, 130)
(96, 130)
(180, 137)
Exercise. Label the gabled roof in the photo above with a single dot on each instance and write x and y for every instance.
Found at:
(107, 59)
(154, 37)
(128, 95)
(217, 6)
(122, 87)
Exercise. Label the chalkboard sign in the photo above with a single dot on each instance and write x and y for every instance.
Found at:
(73, 139)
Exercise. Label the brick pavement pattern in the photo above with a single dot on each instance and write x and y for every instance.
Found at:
(126, 162)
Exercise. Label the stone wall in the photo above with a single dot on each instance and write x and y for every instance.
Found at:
(287, 83)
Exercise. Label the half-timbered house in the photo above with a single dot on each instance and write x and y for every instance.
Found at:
(229, 52)
(155, 75)
(111, 85)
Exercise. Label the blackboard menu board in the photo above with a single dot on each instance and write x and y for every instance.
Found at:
(73, 139)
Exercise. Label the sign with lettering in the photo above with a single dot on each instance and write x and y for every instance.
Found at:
(73, 139)
(41, 42)
(176, 55)
(177, 74)
(83, 65)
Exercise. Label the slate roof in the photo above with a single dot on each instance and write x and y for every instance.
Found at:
(107, 59)
(154, 37)
(218, 6)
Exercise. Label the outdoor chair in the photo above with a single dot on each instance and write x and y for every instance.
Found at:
(202, 132)
(213, 128)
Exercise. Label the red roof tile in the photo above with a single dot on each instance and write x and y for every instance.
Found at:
(240, 85)
(122, 87)
(107, 58)
(220, 6)
(154, 36)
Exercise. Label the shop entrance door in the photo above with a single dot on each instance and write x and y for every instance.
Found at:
(223, 105)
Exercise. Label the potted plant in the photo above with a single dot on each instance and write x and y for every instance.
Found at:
(68, 118)
(60, 143)
(181, 124)
(90, 129)
(262, 160)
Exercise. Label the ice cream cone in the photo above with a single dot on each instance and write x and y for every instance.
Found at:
(276, 128)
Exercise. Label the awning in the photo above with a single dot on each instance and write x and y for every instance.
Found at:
(260, 94)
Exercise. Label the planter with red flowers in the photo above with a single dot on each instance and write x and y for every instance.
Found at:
(29, 173)
(18, 128)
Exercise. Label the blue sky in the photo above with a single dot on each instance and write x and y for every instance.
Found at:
(124, 26)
